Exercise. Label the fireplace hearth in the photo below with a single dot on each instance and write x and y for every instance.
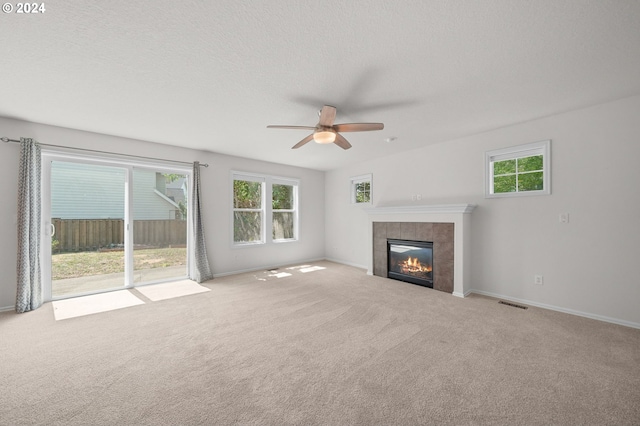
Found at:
(410, 261)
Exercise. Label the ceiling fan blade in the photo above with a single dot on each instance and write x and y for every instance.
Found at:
(291, 127)
(327, 116)
(357, 127)
(342, 142)
(303, 141)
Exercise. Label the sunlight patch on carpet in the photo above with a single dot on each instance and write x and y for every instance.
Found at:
(164, 291)
(280, 275)
(312, 269)
(92, 304)
(298, 267)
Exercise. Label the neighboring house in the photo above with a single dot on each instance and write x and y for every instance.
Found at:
(81, 191)
(177, 190)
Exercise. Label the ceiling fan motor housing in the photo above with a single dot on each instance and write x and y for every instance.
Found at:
(324, 135)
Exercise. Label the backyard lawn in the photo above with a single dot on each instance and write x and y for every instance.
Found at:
(72, 265)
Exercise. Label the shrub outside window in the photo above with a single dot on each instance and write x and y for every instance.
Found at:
(519, 170)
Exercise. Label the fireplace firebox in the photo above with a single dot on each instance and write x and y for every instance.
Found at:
(410, 261)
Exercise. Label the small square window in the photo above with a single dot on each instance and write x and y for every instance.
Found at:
(519, 170)
(361, 189)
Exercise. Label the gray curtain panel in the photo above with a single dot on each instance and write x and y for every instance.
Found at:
(29, 292)
(200, 270)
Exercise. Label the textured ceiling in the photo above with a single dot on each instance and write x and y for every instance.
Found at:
(212, 75)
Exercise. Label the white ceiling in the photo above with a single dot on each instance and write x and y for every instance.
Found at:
(212, 75)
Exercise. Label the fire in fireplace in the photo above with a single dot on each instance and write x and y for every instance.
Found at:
(410, 261)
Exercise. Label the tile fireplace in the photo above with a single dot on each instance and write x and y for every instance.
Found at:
(446, 226)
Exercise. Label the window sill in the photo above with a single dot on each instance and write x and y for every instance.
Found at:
(517, 194)
(244, 245)
(288, 240)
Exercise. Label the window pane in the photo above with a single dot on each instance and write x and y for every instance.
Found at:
(363, 192)
(503, 184)
(87, 210)
(247, 227)
(159, 225)
(247, 194)
(530, 182)
(530, 164)
(504, 167)
(282, 225)
(282, 197)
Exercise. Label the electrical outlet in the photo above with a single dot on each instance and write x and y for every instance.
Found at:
(419, 197)
(413, 197)
(564, 217)
(538, 279)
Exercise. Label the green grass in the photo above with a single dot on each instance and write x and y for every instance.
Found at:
(72, 265)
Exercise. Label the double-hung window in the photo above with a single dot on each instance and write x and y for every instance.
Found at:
(248, 209)
(265, 209)
(284, 210)
(519, 170)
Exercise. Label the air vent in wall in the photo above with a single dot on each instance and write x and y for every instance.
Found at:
(512, 304)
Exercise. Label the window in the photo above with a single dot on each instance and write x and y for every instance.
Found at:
(248, 210)
(519, 170)
(283, 211)
(361, 189)
(254, 218)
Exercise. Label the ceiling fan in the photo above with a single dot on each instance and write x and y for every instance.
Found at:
(327, 132)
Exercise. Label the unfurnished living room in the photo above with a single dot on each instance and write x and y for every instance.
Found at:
(320, 213)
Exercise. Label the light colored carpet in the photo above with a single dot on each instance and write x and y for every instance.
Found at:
(330, 346)
(170, 290)
(95, 303)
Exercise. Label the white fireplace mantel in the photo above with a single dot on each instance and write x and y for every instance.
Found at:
(458, 214)
(435, 208)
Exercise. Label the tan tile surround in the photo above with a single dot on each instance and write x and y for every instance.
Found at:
(440, 234)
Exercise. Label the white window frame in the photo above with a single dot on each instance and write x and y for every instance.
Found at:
(112, 160)
(266, 223)
(289, 182)
(250, 177)
(521, 151)
(355, 180)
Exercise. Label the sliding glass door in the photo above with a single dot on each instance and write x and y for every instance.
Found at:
(111, 226)
(87, 222)
(159, 225)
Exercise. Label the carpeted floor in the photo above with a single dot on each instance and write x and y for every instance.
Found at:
(325, 344)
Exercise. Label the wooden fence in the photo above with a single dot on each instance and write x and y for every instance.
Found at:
(95, 234)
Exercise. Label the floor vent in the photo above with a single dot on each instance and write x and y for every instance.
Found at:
(512, 304)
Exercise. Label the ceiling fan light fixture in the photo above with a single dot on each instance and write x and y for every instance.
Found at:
(324, 136)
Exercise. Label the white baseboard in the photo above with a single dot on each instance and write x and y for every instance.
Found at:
(559, 309)
(7, 308)
(342, 262)
(456, 294)
(265, 267)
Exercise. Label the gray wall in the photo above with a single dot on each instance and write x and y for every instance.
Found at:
(216, 200)
(589, 264)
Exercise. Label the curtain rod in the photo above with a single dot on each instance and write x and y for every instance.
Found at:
(5, 139)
